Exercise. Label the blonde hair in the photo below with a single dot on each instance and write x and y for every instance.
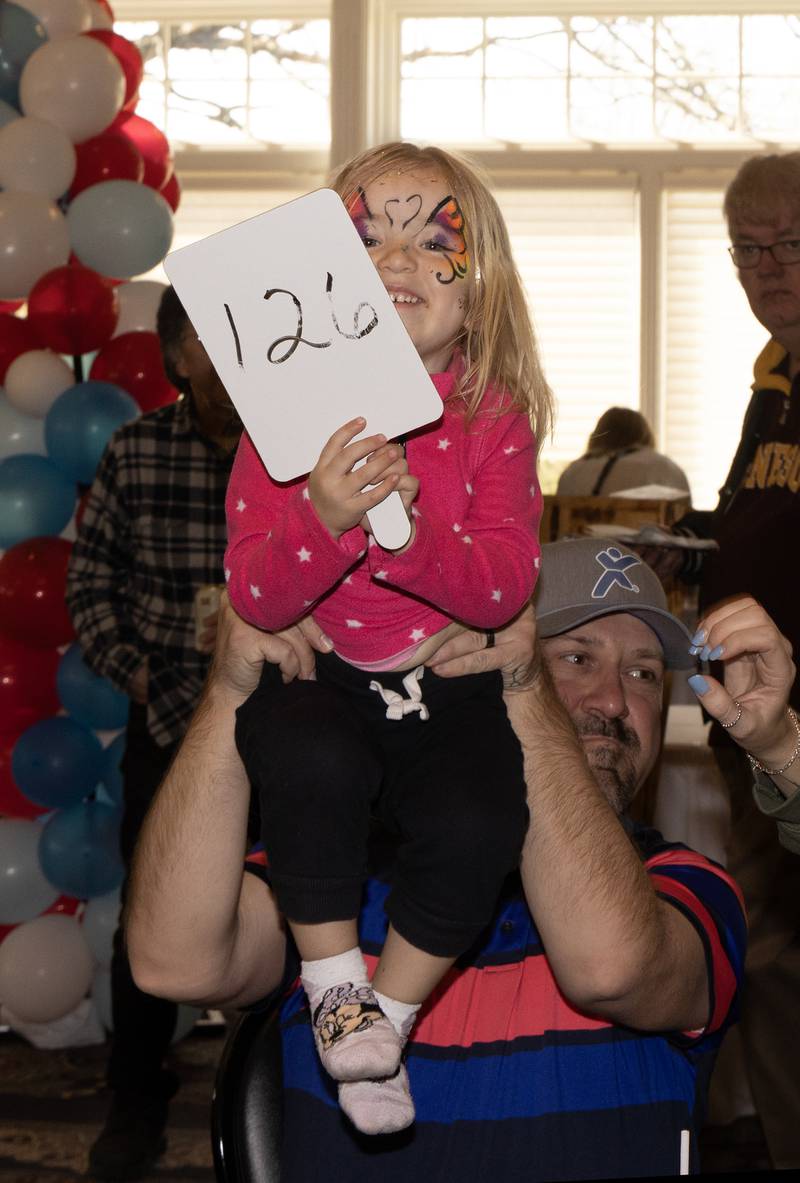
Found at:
(619, 427)
(497, 341)
(762, 188)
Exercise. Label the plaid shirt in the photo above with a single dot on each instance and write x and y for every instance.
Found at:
(152, 533)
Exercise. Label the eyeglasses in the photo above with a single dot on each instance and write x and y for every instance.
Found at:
(747, 255)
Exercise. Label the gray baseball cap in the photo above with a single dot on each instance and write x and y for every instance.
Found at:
(584, 578)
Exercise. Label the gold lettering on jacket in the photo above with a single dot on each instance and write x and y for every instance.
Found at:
(774, 465)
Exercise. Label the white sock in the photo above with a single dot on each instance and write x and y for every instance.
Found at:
(325, 972)
(401, 1015)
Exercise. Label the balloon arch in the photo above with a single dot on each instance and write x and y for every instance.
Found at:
(87, 194)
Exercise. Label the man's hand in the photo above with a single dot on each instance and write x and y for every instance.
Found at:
(137, 688)
(759, 674)
(241, 651)
(514, 653)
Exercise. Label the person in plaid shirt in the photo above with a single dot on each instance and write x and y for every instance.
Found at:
(151, 537)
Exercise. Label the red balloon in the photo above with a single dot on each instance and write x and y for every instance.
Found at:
(133, 361)
(33, 579)
(74, 310)
(13, 803)
(16, 336)
(128, 56)
(154, 147)
(27, 683)
(171, 192)
(10, 305)
(106, 157)
(65, 905)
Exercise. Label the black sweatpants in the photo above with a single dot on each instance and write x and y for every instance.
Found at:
(143, 1025)
(323, 757)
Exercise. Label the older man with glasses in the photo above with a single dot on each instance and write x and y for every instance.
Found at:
(754, 524)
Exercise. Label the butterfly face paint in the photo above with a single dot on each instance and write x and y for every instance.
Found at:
(413, 228)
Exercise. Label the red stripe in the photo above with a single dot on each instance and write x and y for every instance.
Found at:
(724, 979)
(688, 858)
(497, 1004)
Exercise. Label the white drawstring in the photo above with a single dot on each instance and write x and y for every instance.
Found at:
(396, 705)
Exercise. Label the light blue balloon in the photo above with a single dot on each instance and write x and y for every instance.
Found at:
(79, 850)
(90, 699)
(7, 113)
(57, 762)
(19, 432)
(20, 35)
(24, 891)
(80, 423)
(100, 920)
(36, 498)
(110, 773)
(120, 228)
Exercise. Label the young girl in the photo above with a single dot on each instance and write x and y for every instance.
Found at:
(376, 732)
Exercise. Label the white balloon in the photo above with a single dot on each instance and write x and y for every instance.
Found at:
(34, 238)
(45, 968)
(35, 379)
(36, 157)
(75, 83)
(19, 433)
(24, 890)
(61, 18)
(138, 306)
(101, 18)
(100, 919)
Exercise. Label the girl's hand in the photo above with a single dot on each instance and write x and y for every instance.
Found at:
(338, 490)
(759, 673)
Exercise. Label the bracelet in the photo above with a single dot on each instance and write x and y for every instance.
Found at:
(777, 771)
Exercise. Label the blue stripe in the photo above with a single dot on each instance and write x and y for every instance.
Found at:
(526, 1083)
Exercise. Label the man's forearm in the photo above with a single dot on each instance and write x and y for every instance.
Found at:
(607, 936)
(197, 928)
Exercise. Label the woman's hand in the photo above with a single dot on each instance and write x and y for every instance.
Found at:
(759, 674)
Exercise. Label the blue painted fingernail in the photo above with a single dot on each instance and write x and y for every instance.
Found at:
(716, 653)
(694, 650)
(699, 637)
(704, 652)
(698, 684)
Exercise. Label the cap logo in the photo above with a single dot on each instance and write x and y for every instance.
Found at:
(614, 564)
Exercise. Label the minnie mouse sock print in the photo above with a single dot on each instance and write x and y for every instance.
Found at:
(383, 1106)
(355, 1040)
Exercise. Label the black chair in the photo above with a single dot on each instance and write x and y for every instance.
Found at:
(247, 1105)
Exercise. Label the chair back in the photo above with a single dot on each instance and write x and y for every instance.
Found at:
(247, 1105)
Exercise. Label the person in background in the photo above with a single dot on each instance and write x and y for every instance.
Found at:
(148, 555)
(620, 455)
(574, 1039)
(754, 523)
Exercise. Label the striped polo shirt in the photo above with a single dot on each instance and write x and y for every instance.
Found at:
(512, 1083)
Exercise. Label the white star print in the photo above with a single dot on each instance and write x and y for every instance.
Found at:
(307, 603)
(304, 555)
(227, 574)
(347, 579)
(417, 634)
(306, 494)
(469, 489)
(240, 506)
(255, 592)
(443, 445)
(510, 451)
(456, 528)
(466, 538)
(532, 490)
(537, 562)
(381, 574)
(497, 595)
(354, 624)
(414, 511)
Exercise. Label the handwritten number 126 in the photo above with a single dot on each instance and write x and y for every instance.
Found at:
(290, 342)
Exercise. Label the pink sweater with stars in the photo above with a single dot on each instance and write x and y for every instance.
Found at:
(474, 558)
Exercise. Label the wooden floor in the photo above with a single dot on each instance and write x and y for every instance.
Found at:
(53, 1104)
